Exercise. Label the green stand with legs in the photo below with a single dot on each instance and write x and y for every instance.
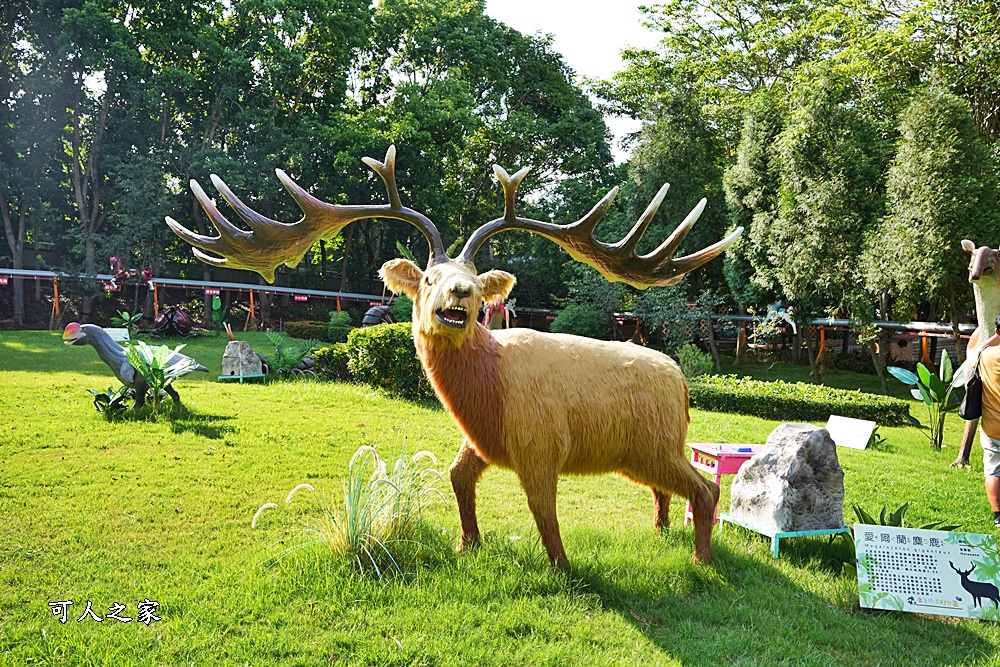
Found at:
(777, 537)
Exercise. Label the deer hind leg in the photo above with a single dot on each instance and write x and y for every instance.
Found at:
(465, 472)
(681, 478)
(541, 492)
(172, 393)
(661, 504)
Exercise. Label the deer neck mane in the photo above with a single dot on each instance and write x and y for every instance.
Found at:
(987, 306)
(467, 381)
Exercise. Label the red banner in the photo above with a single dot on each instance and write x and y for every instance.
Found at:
(3, 280)
(212, 291)
(111, 287)
(301, 297)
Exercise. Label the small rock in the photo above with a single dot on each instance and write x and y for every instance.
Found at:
(239, 359)
(794, 484)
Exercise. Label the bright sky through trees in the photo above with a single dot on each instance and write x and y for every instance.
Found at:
(589, 35)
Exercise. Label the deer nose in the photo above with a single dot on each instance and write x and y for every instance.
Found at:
(461, 291)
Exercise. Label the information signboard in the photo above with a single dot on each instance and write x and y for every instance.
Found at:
(928, 571)
(848, 432)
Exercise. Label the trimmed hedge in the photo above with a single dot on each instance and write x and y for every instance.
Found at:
(330, 363)
(306, 330)
(793, 401)
(382, 356)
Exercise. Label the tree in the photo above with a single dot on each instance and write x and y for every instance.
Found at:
(941, 188)
(831, 161)
(724, 50)
(677, 146)
(752, 185)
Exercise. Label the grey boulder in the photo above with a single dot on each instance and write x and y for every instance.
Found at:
(794, 484)
(239, 359)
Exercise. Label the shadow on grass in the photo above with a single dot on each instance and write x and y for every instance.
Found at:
(745, 610)
(181, 419)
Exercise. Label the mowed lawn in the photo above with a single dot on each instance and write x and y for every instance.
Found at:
(161, 510)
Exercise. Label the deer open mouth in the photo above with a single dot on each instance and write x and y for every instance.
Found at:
(456, 316)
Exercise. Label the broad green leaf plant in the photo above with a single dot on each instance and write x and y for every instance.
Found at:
(154, 364)
(934, 391)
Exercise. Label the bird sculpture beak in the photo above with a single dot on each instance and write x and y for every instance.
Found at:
(72, 333)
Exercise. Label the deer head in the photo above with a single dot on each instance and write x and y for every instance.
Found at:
(982, 263)
(448, 293)
(960, 572)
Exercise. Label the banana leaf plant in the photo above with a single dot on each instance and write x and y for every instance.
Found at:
(934, 391)
(218, 316)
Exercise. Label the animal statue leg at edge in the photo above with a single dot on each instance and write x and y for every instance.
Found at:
(984, 277)
(540, 404)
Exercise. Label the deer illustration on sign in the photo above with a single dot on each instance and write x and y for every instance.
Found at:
(977, 589)
(540, 404)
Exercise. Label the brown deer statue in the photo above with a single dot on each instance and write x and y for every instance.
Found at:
(984, 274)
(540, 404)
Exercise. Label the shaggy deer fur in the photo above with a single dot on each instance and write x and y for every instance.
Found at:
(540, 404)
(545, 405)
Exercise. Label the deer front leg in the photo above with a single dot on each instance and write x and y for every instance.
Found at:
(465, 472)
(540, 489)
(962, 460)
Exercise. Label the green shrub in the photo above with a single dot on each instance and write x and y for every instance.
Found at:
(793, 401)
(306, 329)
(383, 356)
(693, 362)
(339, 327)
(581, 320)
(330, 362)
(402, 308)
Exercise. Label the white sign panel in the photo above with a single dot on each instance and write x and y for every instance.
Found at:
(848, 432)
(928, 571)
(118, 335)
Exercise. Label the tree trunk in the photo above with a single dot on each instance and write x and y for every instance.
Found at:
(742, 346)
(879, 366)
(712, 349)
(264, 304)
(347, 253)
(15, 240)
(90, 268)
(206, 272)
(953, 307)
(811, 354)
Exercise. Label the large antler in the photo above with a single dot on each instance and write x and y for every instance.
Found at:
(270, 243)
(616, 262)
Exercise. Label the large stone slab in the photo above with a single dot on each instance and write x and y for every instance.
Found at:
(794, 484)
(239, 359)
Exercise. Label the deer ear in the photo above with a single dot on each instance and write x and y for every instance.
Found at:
(497, 284)
(968, 246)
(401, 276)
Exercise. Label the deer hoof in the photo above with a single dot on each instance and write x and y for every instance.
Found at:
(960, 463)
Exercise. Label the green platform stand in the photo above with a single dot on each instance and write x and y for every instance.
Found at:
(777, 537)
(261, 377)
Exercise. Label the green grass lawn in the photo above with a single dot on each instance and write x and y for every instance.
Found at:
(161, 509)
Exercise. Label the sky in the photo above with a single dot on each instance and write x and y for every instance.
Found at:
(589, 34)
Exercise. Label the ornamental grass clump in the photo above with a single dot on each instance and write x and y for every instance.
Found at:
(382, 510)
